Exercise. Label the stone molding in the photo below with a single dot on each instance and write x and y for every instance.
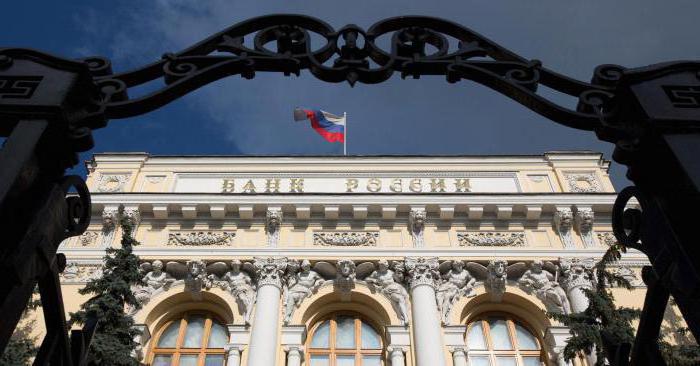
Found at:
(346, 238)
(491, 239)
(200, 238)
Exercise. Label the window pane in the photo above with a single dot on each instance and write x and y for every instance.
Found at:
(370, 338)
(531, 361)
(320, 360)
(194, 332)
(345, 332)
(162, 360)
(506, 361)
(499, 334)
(478, 361)
(169, 336)
(475, 338)
(525, 339)
(188, 360)
(371, 361)
(345, 360)
(214, 360)
(321, 334)
(218, 336)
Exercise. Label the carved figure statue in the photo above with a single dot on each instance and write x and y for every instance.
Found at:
(457, 282)
(389, 283)
(197, 277)
(584, 218)
(416, 222)
(157, 278)
(273, 220)
(240, 285)
(545, 287)
(109, 219)
(496, 278)
(301, 285)
(563, 220)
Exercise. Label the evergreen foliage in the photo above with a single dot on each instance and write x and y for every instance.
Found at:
(113, 341)
(22, 347)
(603, 326)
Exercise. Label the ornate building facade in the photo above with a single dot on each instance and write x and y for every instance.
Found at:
(321, 261)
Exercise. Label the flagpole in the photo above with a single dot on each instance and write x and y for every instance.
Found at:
(345, 140)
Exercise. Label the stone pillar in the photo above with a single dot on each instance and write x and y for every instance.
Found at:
(459, 356)
(455, 342)
(396, 355)
(293, 337)
(141, 338)
(238, 339)
(556, 338)
(422, 277)
(399, 339)
(576, 275)
(263, 337)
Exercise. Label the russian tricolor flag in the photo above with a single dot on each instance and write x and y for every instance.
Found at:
(328, 125)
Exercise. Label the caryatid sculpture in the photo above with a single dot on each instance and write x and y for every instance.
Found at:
(300, 286)
(240, 285)
(545, 287)
(156, 280)
(389, 283)
(457, 282)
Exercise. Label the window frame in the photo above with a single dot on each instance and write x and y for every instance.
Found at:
(516, 352)
(179, 350)
(332, 352)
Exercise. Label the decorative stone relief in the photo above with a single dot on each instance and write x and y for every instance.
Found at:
(388, 280)
(456, 282)
(302, 281)
(422, 271)
(577, 275)
(607, 238)
(76, 273)
(269, 271)
(416, 223)
(88, 238)
(541, 282)
(496, 279)
(155, 179)
(563, 219)
(133, 216)
(492, 239)
(582, 182)
(110, 216)
(628, 273)
(156, 280)
(273, 220)
(347, 238)
(196, 278)
(584, 221)
(109, 183)
(201, 238)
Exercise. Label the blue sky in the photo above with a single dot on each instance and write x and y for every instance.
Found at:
(426, 116)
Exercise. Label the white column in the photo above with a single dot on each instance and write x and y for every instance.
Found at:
(293, 337)
(459, 357)
(239, 337)
(423, 274)
(396, 355)
(294, 355)
(576, 275)
(263, 337)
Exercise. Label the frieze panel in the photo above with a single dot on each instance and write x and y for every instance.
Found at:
(75, 273)
(109, 183)
(201, 238)
(347, 238)
(492, 239)
(607, 238)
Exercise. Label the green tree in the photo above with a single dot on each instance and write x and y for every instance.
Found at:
(603, 327)
(113, 341)
(22, 347)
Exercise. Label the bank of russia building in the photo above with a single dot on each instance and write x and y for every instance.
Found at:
(401, 260)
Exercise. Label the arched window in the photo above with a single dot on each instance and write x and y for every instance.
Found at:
(502, 341)
(344, 340)
(193, 339)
